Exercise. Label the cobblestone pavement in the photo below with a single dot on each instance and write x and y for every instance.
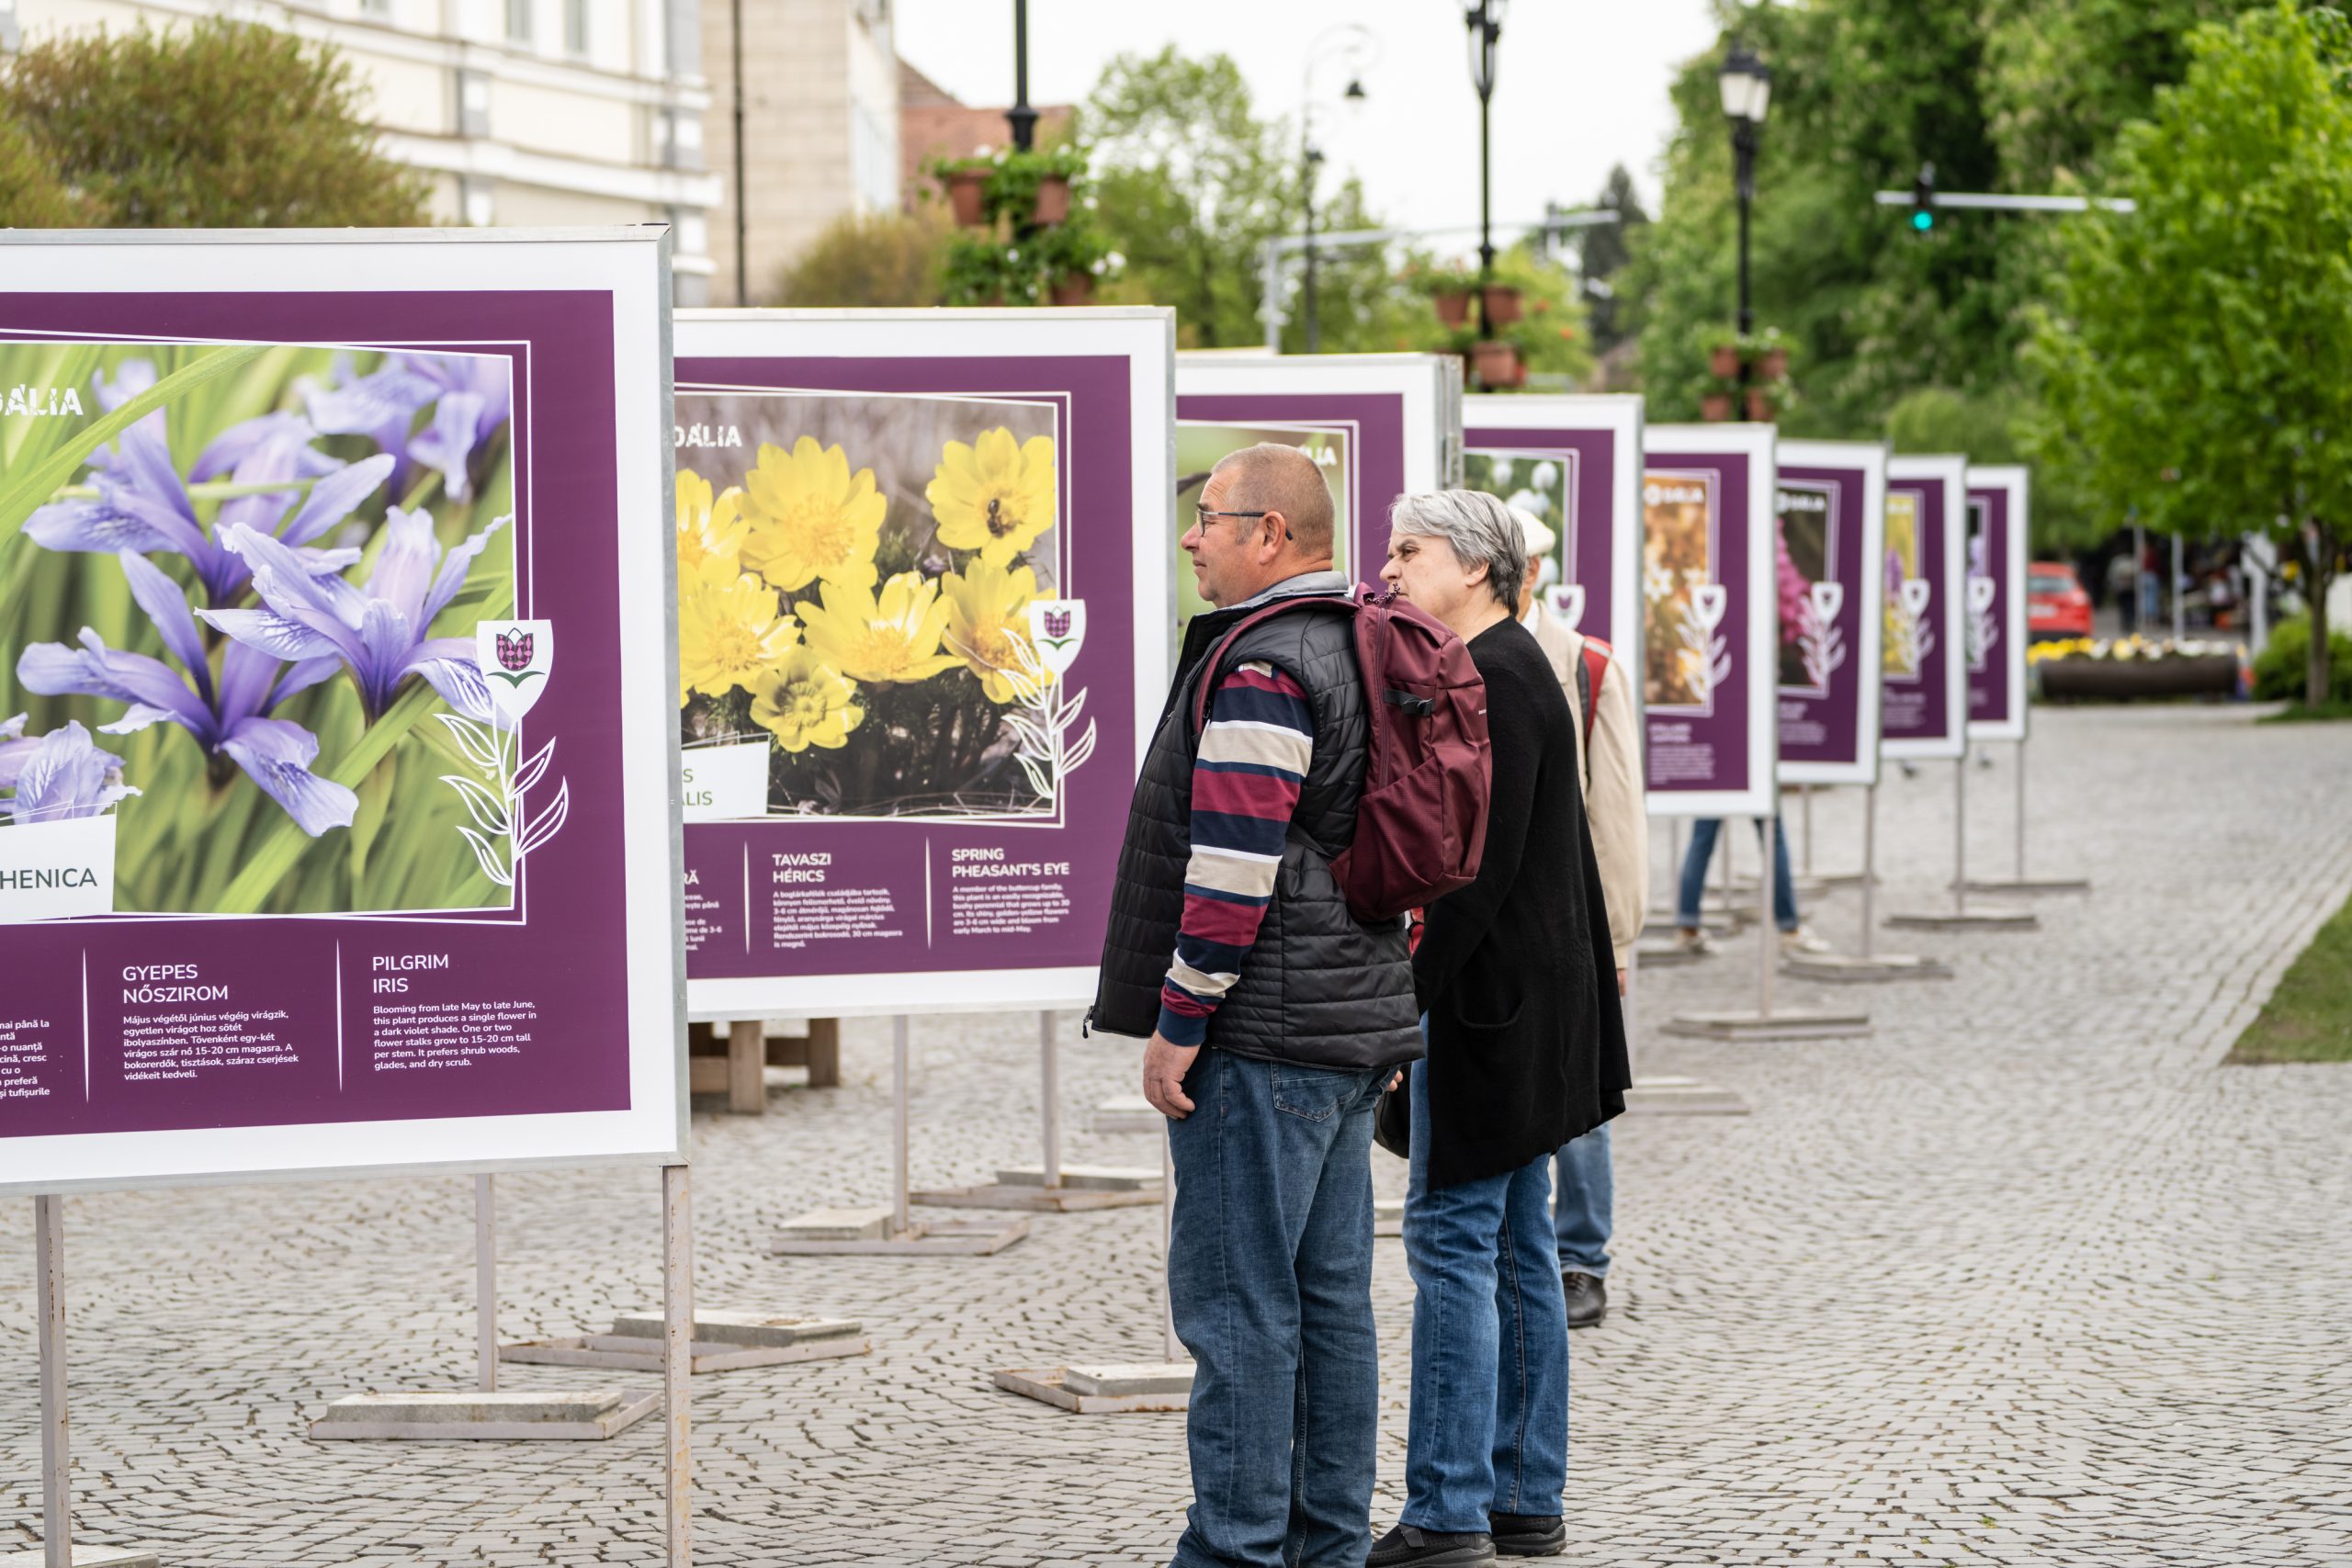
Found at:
(2024, 1277)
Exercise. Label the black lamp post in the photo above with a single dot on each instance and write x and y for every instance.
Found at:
(1747, 84)
(1355, 42)
(1022, 119)
(1484, 20)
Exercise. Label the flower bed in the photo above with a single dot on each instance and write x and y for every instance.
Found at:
(2124, 669)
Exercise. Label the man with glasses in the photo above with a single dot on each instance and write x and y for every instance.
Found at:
(1273, 1020)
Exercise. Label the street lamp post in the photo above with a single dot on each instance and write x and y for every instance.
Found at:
(1022, 119)
(1355, 44)
(1747, 84)
(1484, 20)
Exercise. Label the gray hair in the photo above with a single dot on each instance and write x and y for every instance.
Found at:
(1476, 527)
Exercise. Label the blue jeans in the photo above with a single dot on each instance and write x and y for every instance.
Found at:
(1269, 1282)
(1694, 875)
(1489, 1432)
(1585, 1206)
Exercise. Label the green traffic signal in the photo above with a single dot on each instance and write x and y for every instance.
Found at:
(1923, 220)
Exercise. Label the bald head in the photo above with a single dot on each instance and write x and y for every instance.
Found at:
(1270, 477)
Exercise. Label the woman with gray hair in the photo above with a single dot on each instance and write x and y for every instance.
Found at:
(1516, 981)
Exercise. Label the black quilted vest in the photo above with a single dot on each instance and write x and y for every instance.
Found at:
(1317, 989)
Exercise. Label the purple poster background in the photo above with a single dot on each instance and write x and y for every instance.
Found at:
(1817, 726)
(1595, 544)
(561, 953)
(1988, 676)
(728, 864)
(1917, 707)
(1379, 451)
(1688, 751)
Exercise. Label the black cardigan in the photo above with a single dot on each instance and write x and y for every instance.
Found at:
(1527, 1042)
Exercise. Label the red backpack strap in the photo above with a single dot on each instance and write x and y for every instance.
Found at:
(1590, 670)
(1215, 659)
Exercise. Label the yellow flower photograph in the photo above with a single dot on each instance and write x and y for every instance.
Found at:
(710, 526)
(994, 496)
(987, 626)
(805, 702)
(729, 630)
(856, 577)
(880, 641)
(810, 517)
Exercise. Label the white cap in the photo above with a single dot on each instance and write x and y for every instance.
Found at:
(1541, 540)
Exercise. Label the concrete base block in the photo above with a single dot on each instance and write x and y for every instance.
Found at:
(1665, 952)
(1130, 1377)
(1985, 920)
(508, 1415)
(1036, 1199)
(949, 1238)
(1852, 969)
(1681, 1097)
(752, 1330)
(722, 1342)
(840, 1224)
(1388, 1216)
(1831, 881)
(1086, 1177)
(86, 1557)
(1127, 1113)
(1052, 1385)
(1796, 1023)
(2031, 884)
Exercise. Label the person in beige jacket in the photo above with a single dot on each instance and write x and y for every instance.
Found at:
(1609, 756)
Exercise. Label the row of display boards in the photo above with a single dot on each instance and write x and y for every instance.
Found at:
(863, 620)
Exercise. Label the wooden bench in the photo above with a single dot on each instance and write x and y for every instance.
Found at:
(735, 1063)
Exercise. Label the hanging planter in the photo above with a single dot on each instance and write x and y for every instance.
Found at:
(1453, 306)
(1074, 288)
(1723, 360)
(967, 197)
(1716, 408)
(1772, 363)
(1760, 405)
(1502, 304)
(1496, 362)
(1052, 203)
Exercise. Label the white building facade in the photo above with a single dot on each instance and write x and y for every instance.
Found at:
(521, 113)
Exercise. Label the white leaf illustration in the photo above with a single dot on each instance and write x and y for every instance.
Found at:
(489, 859)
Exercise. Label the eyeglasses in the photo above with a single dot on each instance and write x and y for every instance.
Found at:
(1203, 517)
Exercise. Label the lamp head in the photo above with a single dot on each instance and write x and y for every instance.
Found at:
(1746, 82)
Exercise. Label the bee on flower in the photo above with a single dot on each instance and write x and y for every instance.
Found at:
(995, 496)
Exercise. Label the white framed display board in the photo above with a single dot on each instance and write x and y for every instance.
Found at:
(338, 832)
(1830, 571)
(1575, 463)
(1709, 630)
(936, 542)
(1999, 530)
(1924, 701)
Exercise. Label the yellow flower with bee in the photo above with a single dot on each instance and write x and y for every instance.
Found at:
(995, 496)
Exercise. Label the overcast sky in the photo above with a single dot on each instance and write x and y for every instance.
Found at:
(1580, 84)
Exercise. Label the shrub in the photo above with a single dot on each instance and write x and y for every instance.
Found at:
(2278, 668)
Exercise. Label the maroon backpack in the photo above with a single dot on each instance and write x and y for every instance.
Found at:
(1429, 772)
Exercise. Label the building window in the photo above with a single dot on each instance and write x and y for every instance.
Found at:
(375, 10)
(473, 103)
(474, 204)
(575, 29)
(518, 21)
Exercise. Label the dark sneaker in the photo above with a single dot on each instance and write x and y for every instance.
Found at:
(1409, 1547)
(1528, 1535)
(1588, 1302)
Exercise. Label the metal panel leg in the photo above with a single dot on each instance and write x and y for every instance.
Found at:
(486, 1282)
(56, 1446)
(747, 1066)
(677, 1356)
(824, 1053)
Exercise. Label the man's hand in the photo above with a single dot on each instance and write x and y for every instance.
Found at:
(1621, 982)
(1164, 1066)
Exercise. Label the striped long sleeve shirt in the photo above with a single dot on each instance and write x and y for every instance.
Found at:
(1245, 781)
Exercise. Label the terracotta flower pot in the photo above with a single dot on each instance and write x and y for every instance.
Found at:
(966, 190)
(1716, 408)
(1496, 362)
(1723, 360)
(1453, 307)
(1053, 200)
(1760, 405)
(1502, 305)
(1772, 363)
(1074, 288)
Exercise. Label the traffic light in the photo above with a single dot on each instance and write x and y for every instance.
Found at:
(1923, 200)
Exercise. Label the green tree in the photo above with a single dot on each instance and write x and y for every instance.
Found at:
(1604, 251)
(1192, 184)
(877, 259)
(2195, 356)
(218, 124)
(30, 196)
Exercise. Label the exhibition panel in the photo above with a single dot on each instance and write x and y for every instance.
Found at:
(1575, 464)
(1829, 585)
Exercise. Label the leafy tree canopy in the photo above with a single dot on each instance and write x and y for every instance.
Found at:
(218, 124)
(872, 260)
(2193, 361)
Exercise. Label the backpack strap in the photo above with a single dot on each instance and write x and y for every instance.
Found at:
(1215, 661)
(1590, 668)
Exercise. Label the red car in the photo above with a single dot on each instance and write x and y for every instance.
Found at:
(2056, 606)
